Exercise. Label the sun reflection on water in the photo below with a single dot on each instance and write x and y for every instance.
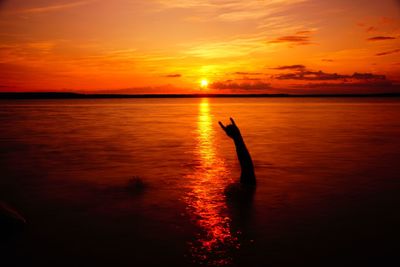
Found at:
(206, 201)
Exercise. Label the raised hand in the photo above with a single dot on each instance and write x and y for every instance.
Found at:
(231, 130)
(247, 176)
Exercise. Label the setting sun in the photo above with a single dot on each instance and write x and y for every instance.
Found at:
(204, 132)
(204, 83)
(219, 46)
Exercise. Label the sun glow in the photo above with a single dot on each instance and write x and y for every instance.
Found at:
(204, 83)
(206, 200)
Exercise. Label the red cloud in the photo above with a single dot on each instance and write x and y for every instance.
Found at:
(300, 38)
(290, 67)
(388, 52)
(240, 86)
(301, 73)
(247, 73)
(381, 38)
(173, 75)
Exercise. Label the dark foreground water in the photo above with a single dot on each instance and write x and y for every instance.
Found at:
(140, 182)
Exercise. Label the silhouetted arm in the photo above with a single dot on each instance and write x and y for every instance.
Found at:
(246, 163)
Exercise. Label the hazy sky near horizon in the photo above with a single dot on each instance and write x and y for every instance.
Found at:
(170, 46)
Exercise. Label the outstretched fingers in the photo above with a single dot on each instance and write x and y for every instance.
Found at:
(233, 122)
(222, 126)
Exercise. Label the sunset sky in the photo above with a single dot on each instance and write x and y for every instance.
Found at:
(192, 46)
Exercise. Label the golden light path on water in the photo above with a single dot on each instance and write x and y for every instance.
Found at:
(206, 200)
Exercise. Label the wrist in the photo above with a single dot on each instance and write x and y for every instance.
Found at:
(238, 139)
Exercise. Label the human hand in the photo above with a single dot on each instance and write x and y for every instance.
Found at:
(231, 130)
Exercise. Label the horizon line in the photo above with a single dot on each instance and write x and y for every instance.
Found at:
(73, 95)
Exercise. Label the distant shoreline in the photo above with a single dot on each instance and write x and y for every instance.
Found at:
(67, 95)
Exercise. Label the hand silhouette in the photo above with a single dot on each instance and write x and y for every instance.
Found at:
(247, 176)
(231, 130)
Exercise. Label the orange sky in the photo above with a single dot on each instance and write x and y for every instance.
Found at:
(169, 46)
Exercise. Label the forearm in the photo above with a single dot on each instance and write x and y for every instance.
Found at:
(246, 163)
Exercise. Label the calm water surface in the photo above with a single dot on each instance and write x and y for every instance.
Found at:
(327, 170)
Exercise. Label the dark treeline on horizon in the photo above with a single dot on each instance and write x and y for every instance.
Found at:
(70, 95)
